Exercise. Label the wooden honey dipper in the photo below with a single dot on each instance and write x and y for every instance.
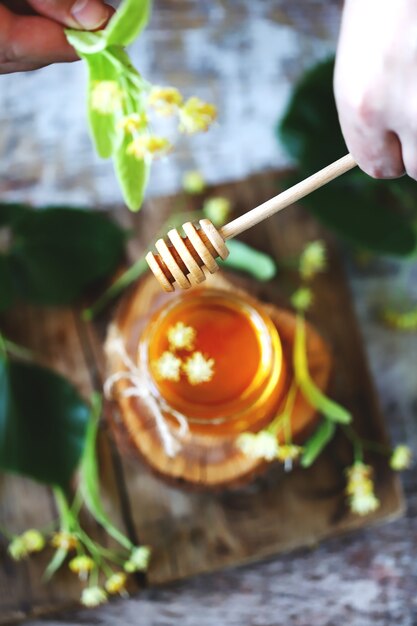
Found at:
(202, 245)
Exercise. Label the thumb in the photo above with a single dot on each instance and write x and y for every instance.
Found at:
(82, 14)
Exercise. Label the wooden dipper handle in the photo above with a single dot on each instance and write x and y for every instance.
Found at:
(201, 246)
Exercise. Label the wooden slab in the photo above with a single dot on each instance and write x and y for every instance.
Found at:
(198, 532)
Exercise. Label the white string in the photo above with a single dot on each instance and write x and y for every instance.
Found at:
(140, 389)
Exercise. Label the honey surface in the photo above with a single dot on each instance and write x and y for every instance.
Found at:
(225, 333)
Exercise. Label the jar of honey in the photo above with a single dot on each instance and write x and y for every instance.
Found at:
(190, 372)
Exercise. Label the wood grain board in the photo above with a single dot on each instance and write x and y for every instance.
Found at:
(193, 532)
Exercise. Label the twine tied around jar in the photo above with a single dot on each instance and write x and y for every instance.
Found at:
(140, 388)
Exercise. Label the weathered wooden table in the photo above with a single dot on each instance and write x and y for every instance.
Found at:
(366, 578)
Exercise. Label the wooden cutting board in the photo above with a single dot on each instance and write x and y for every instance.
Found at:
(194, 532)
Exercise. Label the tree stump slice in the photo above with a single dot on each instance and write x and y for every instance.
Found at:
(205, 460)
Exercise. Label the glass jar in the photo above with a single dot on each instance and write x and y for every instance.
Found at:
(249, 372)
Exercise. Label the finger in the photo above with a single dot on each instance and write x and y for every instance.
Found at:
(31, 41)
(84, 14)
(409, 152)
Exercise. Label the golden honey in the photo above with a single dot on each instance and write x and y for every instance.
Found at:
(232, 332)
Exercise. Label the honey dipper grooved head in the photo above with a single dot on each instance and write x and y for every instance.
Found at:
(186, 256)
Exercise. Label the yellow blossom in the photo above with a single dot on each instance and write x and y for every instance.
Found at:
(17, 549)
(193, 182)
(401, 458)
(360, 489)
(168, 367)
(116, 583)
(106, 97)
(289, 452)
(33, 540)
(313, 259)
(196, 116)
(93, 596)
(302, 299)
(217, 210)
(405, 321)
(132, 123)
(198, 368)
(181, 337)
(81, 565)
(138, 560)
(64, 540)
(150, 146)
(165, 100)
(261, 445)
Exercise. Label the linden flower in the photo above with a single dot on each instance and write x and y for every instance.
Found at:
(198, 369)
(139, 560)
(64, 540)
(17, 549)
(401, 458)
(217, 210)
(81, 565)
(262, 445)
(289, 452)
(132, 123)
(168, 367)
(165, 100)
(181, 337)
(401, 321)
(116, 583)
(313, 259)
(302, 299)
(150, 146)
(360, 489)
(196, 116)
(93, 596)
(33, 540)
(106, 97)
(193, 182)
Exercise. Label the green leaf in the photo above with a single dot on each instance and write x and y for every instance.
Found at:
(133, 175)
(128, 22)
(104, 130)
(86, 42)
(316, 444)
(359, 216)
(58, 252)
(310, 128)
(43, 423)
(310, 391)
(7, 295)
(247, 259)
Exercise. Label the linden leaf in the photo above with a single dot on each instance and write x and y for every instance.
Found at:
(128, 22)
(43, 423)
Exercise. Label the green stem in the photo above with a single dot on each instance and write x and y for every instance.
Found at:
(3, 350)
(284, 418)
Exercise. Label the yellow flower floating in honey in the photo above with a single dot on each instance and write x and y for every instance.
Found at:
(151, 146)
(193, 182)
(165, 100)
(401, 458)
(93, 596)
(196, 116)
(116, 583)
(64, 540)
(168, 367)
(313, 259)
(262, 445)
(133, 123)
(217, 210)
(360, 489)
(198, 368)
(302, 299)
(106, 97)
(181, 337)
(288, 452)
(81, 565)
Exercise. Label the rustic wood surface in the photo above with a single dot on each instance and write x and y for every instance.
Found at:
(194, 533)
